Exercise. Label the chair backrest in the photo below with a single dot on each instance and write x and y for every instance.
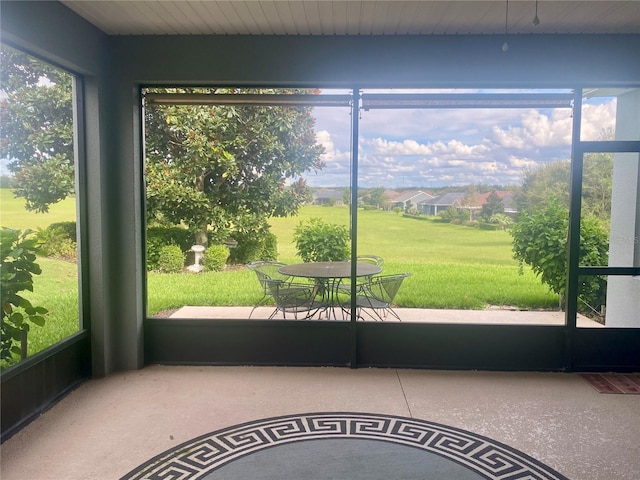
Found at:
(267, 270)
(372, 259)
(290, 295)
(385, 287)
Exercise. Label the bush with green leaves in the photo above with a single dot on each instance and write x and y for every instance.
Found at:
(318, 241)
(170, 259)
(253, 246)
(17, 267)
(270, 247)
(58, 240)
(540, 241)
(452, 215)
(248, 249)
(158, 237)
(215, 258)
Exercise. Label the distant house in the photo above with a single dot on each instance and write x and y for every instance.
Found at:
(328, 197)
(443, 202)
(410, 198)
(435, 205)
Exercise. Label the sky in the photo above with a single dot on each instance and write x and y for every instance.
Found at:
(430, 148)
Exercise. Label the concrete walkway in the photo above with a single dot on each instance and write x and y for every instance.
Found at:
(415, 315)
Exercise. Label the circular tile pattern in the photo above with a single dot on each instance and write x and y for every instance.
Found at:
(289, 446)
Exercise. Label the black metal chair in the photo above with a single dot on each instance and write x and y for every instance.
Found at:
(371, 259)
(266, 270)
(294, 298)
(378, 295)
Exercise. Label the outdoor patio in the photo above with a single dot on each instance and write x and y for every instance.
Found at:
(490, 316)
(109, 426)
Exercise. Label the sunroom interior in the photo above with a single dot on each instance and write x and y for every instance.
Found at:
(114, 57)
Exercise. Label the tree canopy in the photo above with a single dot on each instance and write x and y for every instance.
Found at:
(36, 121)
(227, 166)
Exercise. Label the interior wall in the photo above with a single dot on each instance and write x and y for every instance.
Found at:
(381, 61)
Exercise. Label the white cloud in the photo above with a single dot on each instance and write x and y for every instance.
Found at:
(596, 119)
(455, 147)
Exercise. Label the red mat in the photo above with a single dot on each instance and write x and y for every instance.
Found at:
(614, 382)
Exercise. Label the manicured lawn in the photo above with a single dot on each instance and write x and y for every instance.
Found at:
(56, 289)
(13, 214)
(452, 266)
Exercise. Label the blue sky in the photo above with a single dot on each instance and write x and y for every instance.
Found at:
(450, 147)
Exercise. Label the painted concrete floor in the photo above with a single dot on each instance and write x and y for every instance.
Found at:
(108, 426)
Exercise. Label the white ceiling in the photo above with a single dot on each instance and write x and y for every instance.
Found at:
(355, 17)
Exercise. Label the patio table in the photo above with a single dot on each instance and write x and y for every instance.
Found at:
(329, 275)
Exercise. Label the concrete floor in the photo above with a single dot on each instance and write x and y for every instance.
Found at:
(108, 426)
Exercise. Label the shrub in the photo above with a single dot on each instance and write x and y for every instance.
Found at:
(249, 248)
(58, 240)
(488, 226)
(215, 258)
(270, 247)
(317, 241)
(170, 259)
(17, 267)
(540, 240)
(158, 237)
(254, 246)
(69, 229)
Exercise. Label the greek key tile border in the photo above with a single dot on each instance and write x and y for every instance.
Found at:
(198, 457)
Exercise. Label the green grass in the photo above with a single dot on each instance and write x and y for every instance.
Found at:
(56, 289)
(13, 214)
(452, 266)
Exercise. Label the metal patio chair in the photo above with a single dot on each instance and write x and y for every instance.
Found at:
(294, 298)
(266, 270)
(376, 296)
(371, 259)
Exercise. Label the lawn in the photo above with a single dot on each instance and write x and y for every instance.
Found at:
(13, 215)
(452, 266)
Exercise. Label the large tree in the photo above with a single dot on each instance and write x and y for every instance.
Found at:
(552, 181)
(224, 168)
(228, 167)
(36, 121)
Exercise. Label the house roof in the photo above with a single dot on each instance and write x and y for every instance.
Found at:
(414, 196)
(327, 193)
(447, 199)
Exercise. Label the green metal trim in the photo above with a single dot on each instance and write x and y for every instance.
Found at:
(573, 240)
(353, 208)
(628, 271)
